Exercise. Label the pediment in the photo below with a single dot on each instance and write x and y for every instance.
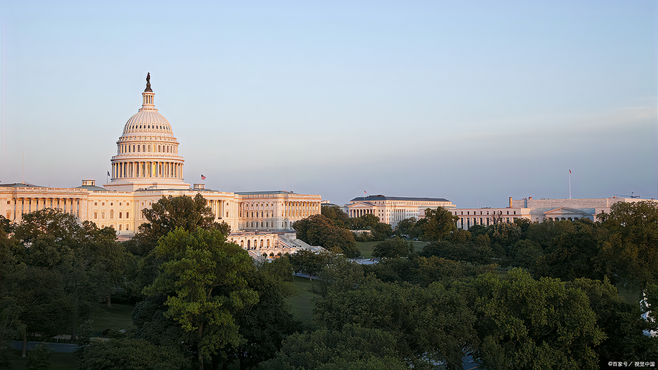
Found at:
(364, 205)
(565, 211)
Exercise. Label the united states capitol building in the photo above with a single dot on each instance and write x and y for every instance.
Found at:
(147, 167)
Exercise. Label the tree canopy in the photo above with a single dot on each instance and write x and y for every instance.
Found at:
(205, 281)
(318, 230)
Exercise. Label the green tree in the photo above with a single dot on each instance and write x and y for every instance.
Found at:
(477, 250)
(318, 230)
(265, 325)
(382, 231)
(352, 347)
(439, 224)
(620, 321)
(338, 275)
(336, 215)
(504, 235)
(130, 354)
(44, 305)
(630, 241)
(204, 278)
(545, 233)
(170, 213)
(393, 270)
(430, 324)
(39, 357)
(309, 262)
(434, 269)
(406, 227)
(575, 254)
(113, 258)
(393, 248)
(524, 323)
(525, 253)
(365, 222)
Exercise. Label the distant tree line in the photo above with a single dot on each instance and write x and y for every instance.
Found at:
(515, 296)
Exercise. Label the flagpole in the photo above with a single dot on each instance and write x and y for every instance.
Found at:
(569, 184)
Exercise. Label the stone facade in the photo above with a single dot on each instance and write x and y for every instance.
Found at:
(392, 210)
(539, 210)
(146, 168)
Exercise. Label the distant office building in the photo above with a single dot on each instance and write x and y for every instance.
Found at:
(538, 210)
(392, 210)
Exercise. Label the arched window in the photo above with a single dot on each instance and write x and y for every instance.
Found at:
(111, 214)
(261, 243)
(248, 244)
(268, 243)
(103, 215)
(120, 214)
(95, 215)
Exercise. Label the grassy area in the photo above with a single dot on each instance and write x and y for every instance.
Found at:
(301, 299)
(58, 361)
(418, 246)
(632, 296)
(117, 317)
(366, 247)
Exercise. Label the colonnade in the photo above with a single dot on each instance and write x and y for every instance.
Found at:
(361, 212)
(159, 169)
(300, 209)
(147, 148)
(23, 205)
(484, 220)
(219, 209)
(275, 215)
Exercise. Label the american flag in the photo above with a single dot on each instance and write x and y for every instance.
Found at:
(203, 177)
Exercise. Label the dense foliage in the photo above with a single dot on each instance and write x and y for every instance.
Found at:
(513, 296)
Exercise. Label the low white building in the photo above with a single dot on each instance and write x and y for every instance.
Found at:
(392, 210)
(538, 210)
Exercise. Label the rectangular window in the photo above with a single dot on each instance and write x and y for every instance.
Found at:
(127, 216)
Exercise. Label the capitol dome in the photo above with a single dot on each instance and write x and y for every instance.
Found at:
(147, 121)
(147, 151)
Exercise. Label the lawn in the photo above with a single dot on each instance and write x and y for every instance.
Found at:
(366, 247)
(632, 296)
(301, 299)
(117, 317)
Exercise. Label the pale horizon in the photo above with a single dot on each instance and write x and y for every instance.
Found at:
(472, 102)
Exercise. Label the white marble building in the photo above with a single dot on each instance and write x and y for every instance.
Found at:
(392, 210)
(538, 210)
(146, 168)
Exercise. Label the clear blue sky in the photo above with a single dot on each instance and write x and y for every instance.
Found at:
(474, 101)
